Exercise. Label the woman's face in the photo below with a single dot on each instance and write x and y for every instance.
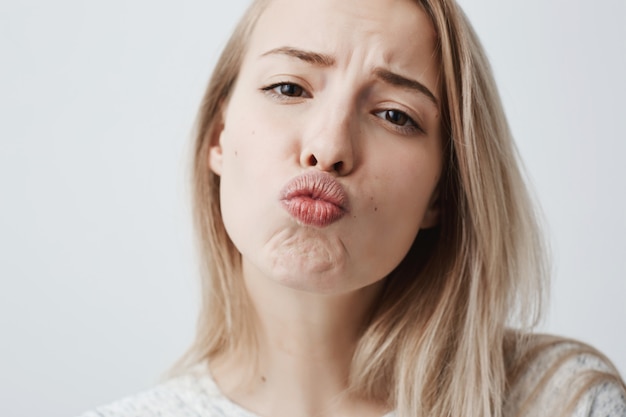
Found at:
(330, 150)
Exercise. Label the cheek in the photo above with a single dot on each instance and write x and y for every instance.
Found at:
(250, 182)
(255, 137)
(408, 176)
(394, 200)
(244, 147)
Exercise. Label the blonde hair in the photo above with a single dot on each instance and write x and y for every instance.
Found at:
(436, 337)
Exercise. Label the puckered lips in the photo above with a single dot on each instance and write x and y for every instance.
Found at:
(315, 198)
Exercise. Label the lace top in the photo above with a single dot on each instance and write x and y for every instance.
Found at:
(195, 394)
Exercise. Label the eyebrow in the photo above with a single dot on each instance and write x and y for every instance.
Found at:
(400, 81)
(324, 60)
(315, 58)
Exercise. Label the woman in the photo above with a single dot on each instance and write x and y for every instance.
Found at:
(368, 238)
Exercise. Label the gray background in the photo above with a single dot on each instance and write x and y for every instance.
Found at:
(98, 290)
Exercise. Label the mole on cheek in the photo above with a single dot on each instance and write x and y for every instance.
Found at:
(375, 207)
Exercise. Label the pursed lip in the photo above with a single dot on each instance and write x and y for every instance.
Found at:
(315, 198)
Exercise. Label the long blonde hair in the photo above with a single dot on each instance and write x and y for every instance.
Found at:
(436, 337)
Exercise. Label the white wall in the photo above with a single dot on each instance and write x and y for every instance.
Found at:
(97, 276)
(561, 67)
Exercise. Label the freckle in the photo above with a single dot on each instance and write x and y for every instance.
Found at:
(371, 198)
(263, 379)
(236, 153)
(354, 217)
(375, 208)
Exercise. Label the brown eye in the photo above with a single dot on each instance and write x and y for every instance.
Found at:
(285, 89)
(290, 90)
(397, 117)
(399, 121)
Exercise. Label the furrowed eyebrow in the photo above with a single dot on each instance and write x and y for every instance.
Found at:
(400, 81)
(323, 60)
(310, 57)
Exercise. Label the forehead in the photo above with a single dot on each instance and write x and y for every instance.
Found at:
(396, 32)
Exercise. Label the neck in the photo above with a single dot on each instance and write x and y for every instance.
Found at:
(305, 346)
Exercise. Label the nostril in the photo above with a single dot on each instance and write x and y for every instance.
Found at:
(313, 162)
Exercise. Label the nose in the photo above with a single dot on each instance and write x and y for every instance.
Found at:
(329, 145)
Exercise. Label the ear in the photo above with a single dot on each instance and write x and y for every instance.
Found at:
(216, 155)
(432, 215)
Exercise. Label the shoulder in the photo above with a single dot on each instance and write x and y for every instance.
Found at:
(193, 394)
(554, 376)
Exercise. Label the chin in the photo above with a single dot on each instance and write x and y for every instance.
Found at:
(325, 278)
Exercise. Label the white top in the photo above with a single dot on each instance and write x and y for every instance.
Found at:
(195, 394)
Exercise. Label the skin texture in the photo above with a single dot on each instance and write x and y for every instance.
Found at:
(291, 114)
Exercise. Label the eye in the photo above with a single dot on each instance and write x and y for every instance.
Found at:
(400, 120)
(286, 89)
(396, 117)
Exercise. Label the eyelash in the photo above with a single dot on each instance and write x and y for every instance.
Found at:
(410, 127)
(272, 90)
